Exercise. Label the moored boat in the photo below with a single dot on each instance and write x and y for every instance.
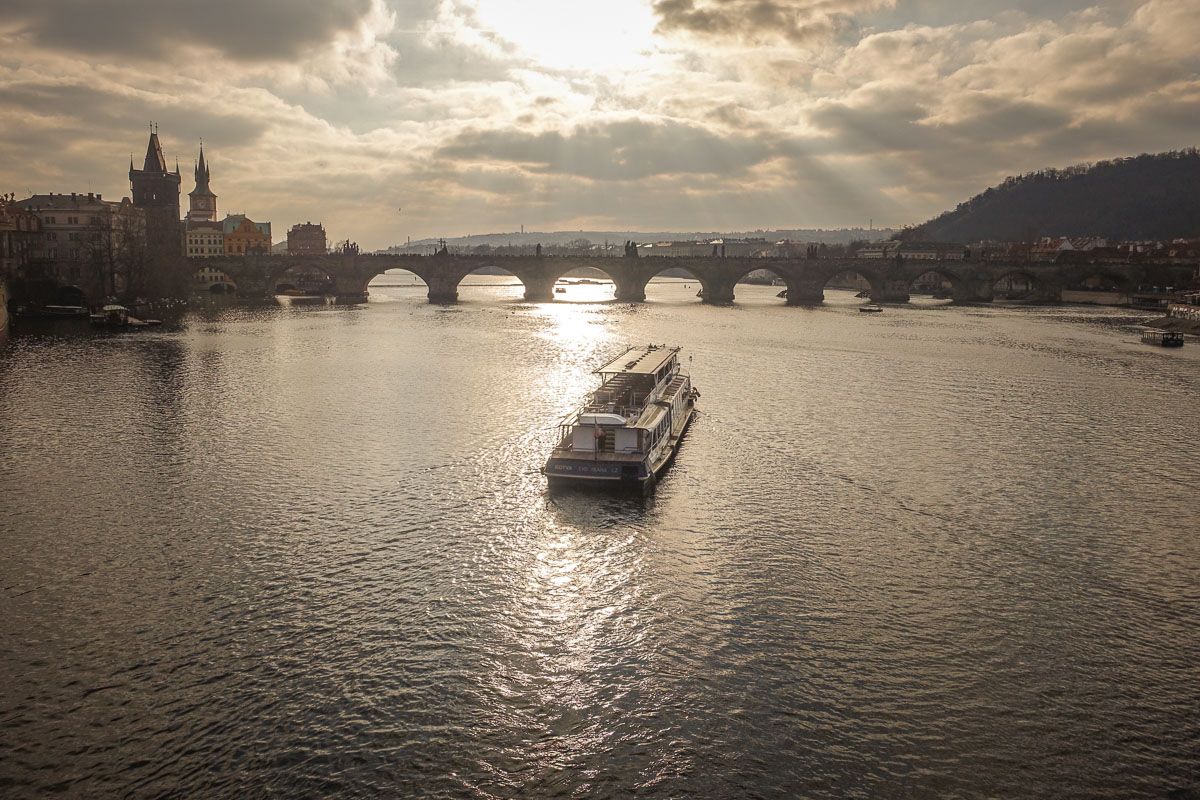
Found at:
(299, 298)
(116, 317)
(53, 312)
(1163, 338)
(111, 316)
(871, 309)
(628, 431)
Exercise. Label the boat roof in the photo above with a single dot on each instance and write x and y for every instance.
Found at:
(645, 360)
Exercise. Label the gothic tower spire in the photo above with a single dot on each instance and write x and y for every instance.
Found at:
(202, 201)
(155, 162)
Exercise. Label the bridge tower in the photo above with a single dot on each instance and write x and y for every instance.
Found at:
(156, 190)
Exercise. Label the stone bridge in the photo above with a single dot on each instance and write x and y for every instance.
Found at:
(891, 280)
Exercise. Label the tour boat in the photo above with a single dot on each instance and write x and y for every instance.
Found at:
(626, 433)
(1163, 338)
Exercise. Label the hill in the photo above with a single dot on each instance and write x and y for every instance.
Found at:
(1146, 197)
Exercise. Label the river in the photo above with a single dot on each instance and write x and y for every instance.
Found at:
(299, 552)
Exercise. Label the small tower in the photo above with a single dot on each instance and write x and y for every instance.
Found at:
(202, 202)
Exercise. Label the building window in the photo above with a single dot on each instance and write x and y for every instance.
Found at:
(50, 220)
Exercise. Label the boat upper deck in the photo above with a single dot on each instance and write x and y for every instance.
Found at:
(647, 360)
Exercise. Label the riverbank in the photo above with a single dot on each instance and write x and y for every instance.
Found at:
(1175, 324)
(3, 311)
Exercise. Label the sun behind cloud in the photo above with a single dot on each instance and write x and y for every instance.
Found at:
(607, 37)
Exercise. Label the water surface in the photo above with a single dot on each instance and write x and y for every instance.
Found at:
(939, 551)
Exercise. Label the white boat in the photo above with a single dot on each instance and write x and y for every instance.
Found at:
(117, 317)
(629, 429)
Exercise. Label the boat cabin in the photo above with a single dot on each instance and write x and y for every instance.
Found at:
(620, 416)
(1163, 338)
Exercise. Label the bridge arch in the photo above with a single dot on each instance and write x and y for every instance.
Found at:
(302, 278)
(854, 279)
(396, 283)
(720, 276)
(212, 280)
(682, 284)
(1096, 276)
(939, 282)
(490, 281)
(591, 283)
(1018, 285)
(70, 295)
(764, 282)
(1096, 283)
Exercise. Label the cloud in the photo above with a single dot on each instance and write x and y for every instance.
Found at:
(736, 114)
(620, 150)
(796, 21)
(245, 30)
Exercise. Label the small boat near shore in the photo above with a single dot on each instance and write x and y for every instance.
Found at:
(1162, 338)
(628, 431)
(871, 309)
(299, 298)
(114, 317)
(53, 312)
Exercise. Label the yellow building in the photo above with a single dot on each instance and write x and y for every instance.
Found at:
(243, 236)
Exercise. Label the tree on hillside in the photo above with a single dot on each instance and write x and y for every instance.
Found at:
(1145, 197)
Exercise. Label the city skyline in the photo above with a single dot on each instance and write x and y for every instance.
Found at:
(388, 120)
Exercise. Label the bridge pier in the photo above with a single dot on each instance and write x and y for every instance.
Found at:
(443, 288)
(890, 290)
(717, 292)
(974, 290)
(629, 290)
(538, 289)
(805, 293)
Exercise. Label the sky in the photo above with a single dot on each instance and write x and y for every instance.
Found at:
(388, 119)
